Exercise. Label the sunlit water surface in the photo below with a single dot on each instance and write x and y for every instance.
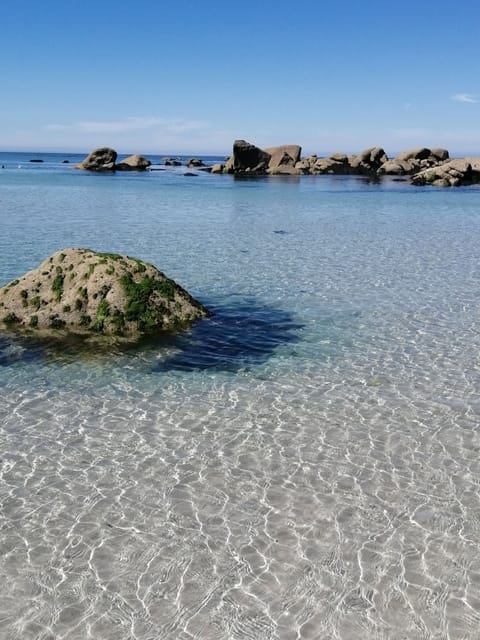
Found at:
(303, 465)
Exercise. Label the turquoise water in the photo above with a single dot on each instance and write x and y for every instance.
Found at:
(303, 465)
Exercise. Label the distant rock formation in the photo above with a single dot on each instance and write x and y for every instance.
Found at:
(133, 163)
(105, 159)
(79, 291)
(102, 159)
(195, 162)
(452, 173)
(283, 159)
(369, 161)
(411, 161)
(425, 166)
(247, 158)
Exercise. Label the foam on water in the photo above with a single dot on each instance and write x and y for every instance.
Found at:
(303, 465)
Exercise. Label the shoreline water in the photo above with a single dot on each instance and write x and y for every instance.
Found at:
(305, 464)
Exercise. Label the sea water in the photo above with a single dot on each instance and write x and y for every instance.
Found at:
(304, 464)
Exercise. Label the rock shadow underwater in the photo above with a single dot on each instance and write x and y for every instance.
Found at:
(242, 333)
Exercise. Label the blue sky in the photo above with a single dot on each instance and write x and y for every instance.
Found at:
(158, 76)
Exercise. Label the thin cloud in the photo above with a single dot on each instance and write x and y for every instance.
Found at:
(464, 97)
(167, 126)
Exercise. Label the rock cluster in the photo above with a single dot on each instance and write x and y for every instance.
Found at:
(247, 158)
(105, 159)
(424, 165)
(453, 173)
(81, 291)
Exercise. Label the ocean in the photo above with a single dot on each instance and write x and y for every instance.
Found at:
(303, 465)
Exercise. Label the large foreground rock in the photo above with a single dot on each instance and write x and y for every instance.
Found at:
(82, 291)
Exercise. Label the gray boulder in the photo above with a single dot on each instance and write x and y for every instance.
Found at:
(304, 165)
(397, 168)
(453, 173)
(195, 162)
(335, 164)
(369, 161)
(417, 153)
(285, 170)
(413, 161)
(102, 159)
(133, 163)
(439, 154)
(283, 155)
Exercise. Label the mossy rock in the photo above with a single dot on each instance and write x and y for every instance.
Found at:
(106, 294)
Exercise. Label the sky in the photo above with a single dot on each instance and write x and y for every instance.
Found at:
(191, 76)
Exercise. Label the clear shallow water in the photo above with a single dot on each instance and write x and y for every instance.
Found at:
(302, 465)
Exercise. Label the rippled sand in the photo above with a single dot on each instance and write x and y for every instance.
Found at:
(336, 502)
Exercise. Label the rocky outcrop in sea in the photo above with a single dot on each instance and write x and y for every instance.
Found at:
(423, 165)
(79, 291)
(105, 159)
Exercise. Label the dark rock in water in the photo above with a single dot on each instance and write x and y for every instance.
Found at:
(189, 174)
(195, 162)
(65, 161)
(79, 291)
(36, 160)
(102, 159)
(247, 158)
(172, 162)
(439, 154)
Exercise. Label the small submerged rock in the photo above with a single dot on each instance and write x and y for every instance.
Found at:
(79, 291)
